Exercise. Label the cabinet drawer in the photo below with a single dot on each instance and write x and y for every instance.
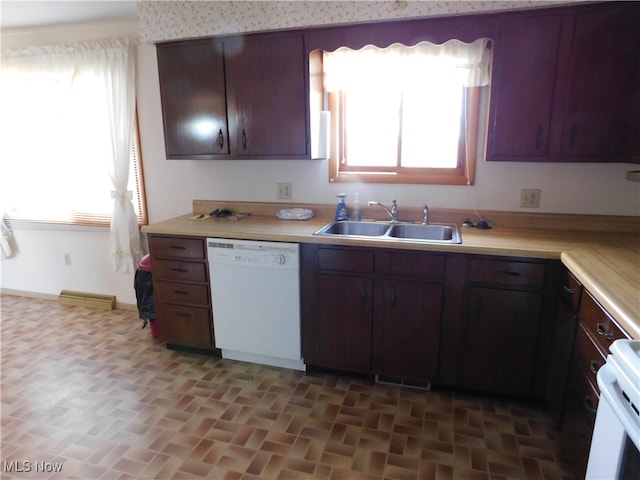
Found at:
(571, 290)
(175, 270)
(599, 324)
(345, 260)
(177, 247)
(181, 293)
(414, 264)
(584, 394)
(504, 272)
(185, 325)
(588, 356)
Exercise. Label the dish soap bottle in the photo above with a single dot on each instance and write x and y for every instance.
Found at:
(341, 211)
(357, 216)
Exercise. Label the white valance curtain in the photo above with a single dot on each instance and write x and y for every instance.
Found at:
(398, 66)
(110, 65)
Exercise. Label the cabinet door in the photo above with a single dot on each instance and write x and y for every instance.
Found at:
(267, 94)
(407, 336)
(501, 340)
(194, 107)
(564, 334)
(525, 62)
(599, 106)
(343, 330)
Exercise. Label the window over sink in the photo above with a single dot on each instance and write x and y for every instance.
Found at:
(405, 114)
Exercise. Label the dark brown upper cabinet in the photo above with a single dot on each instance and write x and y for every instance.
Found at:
(240, 98)
(599, 107)
(566, 85)
(525, 69)
(194, 104)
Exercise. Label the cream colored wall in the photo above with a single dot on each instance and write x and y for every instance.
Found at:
(39, 264)
(172, 185)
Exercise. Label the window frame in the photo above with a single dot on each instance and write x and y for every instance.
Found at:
(463, 174)
(472, 139)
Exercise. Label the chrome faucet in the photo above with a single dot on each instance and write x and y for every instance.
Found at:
(393, 213)
(425, 215)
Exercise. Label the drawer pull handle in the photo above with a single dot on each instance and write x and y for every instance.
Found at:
(177, 247)
(220, 139)
(568, 289)
(507, 273)
(183, 315)
(602, 331)
(181, 292)
(588, 404)
(180, 270)
(594, 366)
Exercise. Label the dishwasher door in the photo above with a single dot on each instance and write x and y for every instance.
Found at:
(255, 293)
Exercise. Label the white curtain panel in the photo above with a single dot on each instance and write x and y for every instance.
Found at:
(93, 113)
(118, 64)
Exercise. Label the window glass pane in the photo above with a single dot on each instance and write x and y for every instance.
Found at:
(56, 147)
(372, 125)
(431, 126)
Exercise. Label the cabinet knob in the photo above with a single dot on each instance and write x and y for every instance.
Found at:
(244, 139)
(588, 404)
(603, 331)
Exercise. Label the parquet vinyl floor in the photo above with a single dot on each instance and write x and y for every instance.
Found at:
(88, 394)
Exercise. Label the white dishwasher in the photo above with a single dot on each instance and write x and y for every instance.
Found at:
(255, 293)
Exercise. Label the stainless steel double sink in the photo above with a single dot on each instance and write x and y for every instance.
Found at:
(402, 231)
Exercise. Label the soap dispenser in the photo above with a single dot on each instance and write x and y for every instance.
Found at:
(341, 211)
(357, 215)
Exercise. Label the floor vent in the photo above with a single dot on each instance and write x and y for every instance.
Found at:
(94, 300)
(418, 384)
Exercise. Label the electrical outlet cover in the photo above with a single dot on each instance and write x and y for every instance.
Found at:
(530, 198)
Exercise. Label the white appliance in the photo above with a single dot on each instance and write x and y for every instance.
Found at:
(255, 293)
(616, 434)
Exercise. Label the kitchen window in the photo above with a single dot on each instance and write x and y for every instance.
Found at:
(57, 146)
(407, 114)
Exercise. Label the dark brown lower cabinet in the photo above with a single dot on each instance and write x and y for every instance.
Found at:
(459, 320)
(342, 337)
(502, 340)
(372, 311)
(407, 333)
(181, 291)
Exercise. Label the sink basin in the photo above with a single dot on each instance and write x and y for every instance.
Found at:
(438, 233)
(414, 232)
(366, 229)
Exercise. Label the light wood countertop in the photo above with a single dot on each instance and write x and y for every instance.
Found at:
(607, 264)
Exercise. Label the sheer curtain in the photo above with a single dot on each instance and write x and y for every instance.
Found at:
(466, 64)
(74, 102)
(429, 79)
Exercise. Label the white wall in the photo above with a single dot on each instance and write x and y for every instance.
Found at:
(172, 185)
(39, 265)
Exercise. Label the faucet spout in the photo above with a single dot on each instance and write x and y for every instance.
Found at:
(393, 213)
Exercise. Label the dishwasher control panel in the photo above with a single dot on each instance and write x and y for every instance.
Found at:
(253, 254)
